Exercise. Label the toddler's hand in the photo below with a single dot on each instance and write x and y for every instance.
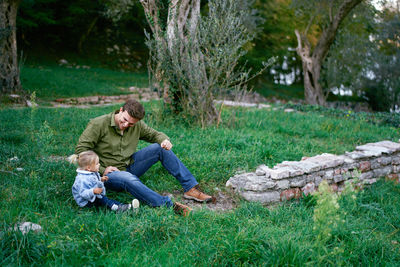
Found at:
(104, 178)
(97, 190)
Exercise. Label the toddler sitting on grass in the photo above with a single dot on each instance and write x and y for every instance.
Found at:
(88, 189)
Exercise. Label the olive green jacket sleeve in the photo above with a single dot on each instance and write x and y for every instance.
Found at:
(150, 135)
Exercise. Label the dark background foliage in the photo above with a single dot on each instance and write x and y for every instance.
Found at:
(368, 42)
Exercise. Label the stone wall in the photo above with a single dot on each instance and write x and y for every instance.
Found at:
(290, 179)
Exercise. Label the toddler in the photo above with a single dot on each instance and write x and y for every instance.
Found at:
(88, 189)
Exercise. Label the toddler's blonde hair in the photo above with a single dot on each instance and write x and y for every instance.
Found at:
(84, 159)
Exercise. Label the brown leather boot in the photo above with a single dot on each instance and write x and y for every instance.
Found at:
(197, 195)
(181, 209)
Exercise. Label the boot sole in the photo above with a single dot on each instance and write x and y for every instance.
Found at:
(198, 200)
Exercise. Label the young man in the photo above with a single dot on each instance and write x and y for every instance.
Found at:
(115, 136)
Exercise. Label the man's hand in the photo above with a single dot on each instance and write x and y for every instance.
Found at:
(104, 178)
(166, 144)
(110, 169)
(97, 190)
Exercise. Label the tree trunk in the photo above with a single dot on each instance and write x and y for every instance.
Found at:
(312, 63)
(313, 93)
(9, 71)
(181, 25)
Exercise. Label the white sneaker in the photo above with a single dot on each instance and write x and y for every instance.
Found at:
(135, 204)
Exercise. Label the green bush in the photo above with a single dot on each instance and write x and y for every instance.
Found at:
(194, 62)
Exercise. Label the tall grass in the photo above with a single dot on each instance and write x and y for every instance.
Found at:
(251, 234)
(281, 235)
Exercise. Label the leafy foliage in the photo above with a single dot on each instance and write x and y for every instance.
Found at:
(326, 217)
(115, 9)
(36, 13)
(275, 38)
(347, 59)
(201, 64)
(55, 29)
(383, 89)
(364, 56)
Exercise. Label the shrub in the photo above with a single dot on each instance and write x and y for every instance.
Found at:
(196, 61)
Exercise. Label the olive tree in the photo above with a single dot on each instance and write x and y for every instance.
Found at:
(194, 59)
(326, 16)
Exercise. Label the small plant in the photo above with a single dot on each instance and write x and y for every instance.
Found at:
(326, 216)
(326, 212)
(44, 138)
(327, 219)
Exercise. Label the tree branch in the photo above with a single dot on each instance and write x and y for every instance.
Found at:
(303, 52)
(171, 22)
(309, 24)
(151, 10)
(194, 16)
(328, 35)
(184, 11)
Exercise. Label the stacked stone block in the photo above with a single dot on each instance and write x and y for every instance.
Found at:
(292, 179)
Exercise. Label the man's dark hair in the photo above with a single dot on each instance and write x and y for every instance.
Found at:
(134, 109)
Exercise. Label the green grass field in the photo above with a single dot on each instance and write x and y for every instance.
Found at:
(281, 235)
(51, 81)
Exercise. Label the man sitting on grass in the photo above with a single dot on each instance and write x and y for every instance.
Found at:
(115, 136)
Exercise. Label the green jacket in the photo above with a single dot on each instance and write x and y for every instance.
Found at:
(113, 148)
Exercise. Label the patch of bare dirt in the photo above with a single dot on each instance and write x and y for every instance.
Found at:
(222, 201)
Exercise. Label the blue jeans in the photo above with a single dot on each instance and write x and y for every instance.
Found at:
(104, 201)
(129, 180)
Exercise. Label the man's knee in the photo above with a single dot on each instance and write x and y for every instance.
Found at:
(156, 148)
